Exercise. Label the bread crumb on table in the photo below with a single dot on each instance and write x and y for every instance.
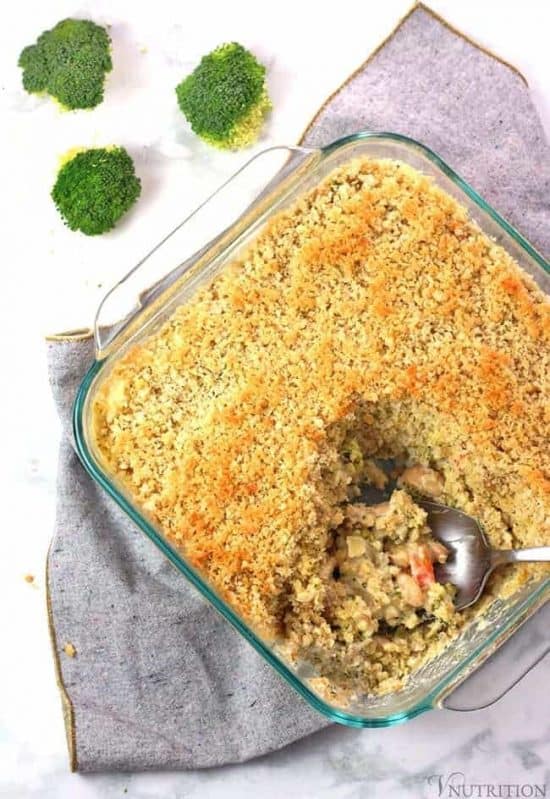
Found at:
(371, 318)
(29, 578)
(69, 650)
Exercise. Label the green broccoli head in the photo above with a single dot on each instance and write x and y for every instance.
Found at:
(94, 188)
(225, 99)
(69, 62)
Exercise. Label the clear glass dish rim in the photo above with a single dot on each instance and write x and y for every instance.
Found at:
(431, 699)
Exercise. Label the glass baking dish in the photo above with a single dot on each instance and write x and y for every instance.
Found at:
(171, 273)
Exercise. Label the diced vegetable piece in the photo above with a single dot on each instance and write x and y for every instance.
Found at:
(357, 546)
(410, 590)
(422, 568)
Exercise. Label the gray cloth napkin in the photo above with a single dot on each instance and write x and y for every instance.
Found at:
(159, 680)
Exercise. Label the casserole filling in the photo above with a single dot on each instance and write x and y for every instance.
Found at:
(371, 319)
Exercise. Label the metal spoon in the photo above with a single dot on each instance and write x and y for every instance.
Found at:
(471, 559)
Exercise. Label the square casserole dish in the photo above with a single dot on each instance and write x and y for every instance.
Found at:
(171, 274)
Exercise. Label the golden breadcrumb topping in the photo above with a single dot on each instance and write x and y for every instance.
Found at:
(372, 309)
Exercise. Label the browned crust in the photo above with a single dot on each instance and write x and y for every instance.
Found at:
(373, 288)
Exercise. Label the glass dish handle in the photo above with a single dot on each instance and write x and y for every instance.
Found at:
(505, 667)
(269, 172)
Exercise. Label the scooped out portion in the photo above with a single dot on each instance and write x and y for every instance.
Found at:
(385, 558)
(377, 585)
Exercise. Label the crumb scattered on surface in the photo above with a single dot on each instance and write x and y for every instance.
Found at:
(69, 650)
(29, 578)
(370, 319)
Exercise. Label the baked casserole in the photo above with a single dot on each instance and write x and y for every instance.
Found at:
(370, 320)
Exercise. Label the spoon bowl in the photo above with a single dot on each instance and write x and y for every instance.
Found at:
(471, 559)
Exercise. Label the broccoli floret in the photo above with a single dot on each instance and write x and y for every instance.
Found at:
(94, 188)
(225, 99)
(69, 63)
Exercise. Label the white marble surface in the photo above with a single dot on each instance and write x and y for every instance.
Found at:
(51, 280)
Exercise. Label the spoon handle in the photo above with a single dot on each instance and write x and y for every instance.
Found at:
(499, 556)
